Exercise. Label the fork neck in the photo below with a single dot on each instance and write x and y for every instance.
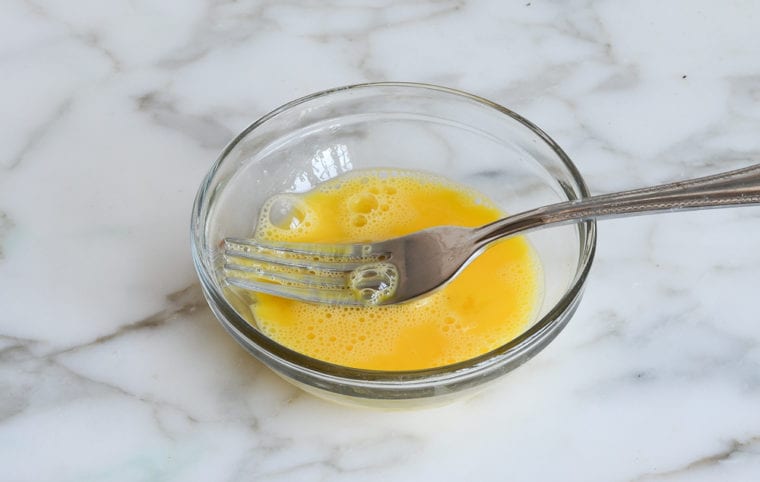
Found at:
(739, 187)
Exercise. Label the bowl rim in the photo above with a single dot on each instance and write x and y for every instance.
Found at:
(515, 349)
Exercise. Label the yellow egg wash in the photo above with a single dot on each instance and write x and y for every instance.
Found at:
(491, 301)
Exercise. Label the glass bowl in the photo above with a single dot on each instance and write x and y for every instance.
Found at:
(426, 128)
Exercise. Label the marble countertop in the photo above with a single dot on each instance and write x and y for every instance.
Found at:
(112, 367)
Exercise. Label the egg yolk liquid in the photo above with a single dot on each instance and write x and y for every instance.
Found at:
(488, 304)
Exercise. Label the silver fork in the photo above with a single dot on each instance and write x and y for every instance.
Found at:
(399, 269)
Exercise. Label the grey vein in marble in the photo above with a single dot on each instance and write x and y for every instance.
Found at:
(37, 135)
(734, 448)
(181, 303)
(6, 226)
(204, 130)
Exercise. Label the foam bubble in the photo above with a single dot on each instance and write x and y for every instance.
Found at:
(364, 202)
(359, 220)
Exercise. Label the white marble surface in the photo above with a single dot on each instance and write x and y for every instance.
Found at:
(112, 368)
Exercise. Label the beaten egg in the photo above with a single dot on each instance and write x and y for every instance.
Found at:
(490, 302)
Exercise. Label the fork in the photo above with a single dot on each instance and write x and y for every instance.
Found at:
(406, 267)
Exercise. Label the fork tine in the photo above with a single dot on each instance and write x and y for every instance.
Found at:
(342, 257)
(298, 292)
(296, 276)
(291, 287)
(324, 273)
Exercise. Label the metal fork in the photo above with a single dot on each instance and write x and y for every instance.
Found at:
(399, 269)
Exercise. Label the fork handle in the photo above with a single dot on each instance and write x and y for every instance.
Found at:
(733, 188)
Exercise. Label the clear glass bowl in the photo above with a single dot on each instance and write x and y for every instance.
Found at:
(465, 138)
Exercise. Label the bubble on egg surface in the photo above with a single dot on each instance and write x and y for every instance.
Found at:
(364, 202)
(283, 214)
